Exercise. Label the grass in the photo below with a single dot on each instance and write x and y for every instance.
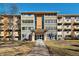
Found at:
(15, 48)
(63, 48)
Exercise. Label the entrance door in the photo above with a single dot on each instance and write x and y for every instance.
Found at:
(41, 37)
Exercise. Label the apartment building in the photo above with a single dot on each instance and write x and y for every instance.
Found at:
(68, 26)
(10, 27)
(50, 24)
(27, 25)
(39, 25)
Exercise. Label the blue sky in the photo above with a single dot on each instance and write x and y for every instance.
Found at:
(61, 8)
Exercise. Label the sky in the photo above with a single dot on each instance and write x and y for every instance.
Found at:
(61, 8)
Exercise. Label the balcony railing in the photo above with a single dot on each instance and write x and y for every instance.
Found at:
(76, 27)
(59, 27)
(67, 21)
(59, 33)
(67, 27)
(76, 33)
(67, 33)
(59, 21)
(76, 21)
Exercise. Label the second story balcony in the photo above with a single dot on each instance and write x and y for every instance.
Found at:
(67, 27)
(59, 27)
(67, 32)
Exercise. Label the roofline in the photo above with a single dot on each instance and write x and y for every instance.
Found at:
(68, 15)
(39, 13)
(10, 15)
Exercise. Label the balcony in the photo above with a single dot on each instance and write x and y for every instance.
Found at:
(67, 20)
(0, 21)
(67, 27)
(76, 32)
(59, 33)
(59, 27)
(2, 34)
(55, 17)
(67, 33)
(1, 28)
(15, 34)
(76, 21)
(15, 28)
(50, 17)
(59, 21)
(76, 27)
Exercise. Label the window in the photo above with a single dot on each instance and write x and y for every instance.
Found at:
(67, 31)
(59, 35)
(67, 20)
(77, 17)
(50, 21)
(77, 25)
(59, 19)
(45, 21)
(29, 28)
(23, 28)
(29, 14)
(67, 25)
(27, 21)
(49, 15)
(54, 21)
(68, 36)
(47, 28)
(23, 35)
(55, 28)
(26, 28)
(51, 28)
(77, 31)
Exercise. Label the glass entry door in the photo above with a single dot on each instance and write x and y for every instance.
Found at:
(41, 37)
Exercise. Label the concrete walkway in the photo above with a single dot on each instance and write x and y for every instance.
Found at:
(39, 50)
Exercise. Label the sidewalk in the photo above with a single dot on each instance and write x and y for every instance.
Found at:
(39, 50)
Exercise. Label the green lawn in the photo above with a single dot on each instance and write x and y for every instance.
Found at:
(63, 48)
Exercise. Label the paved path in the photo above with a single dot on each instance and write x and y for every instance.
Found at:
(39, 50)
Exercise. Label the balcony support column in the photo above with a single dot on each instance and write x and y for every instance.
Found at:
(33, 37)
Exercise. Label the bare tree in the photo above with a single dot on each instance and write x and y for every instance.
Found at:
(5, 27)
(5, 21)
(14, 10)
